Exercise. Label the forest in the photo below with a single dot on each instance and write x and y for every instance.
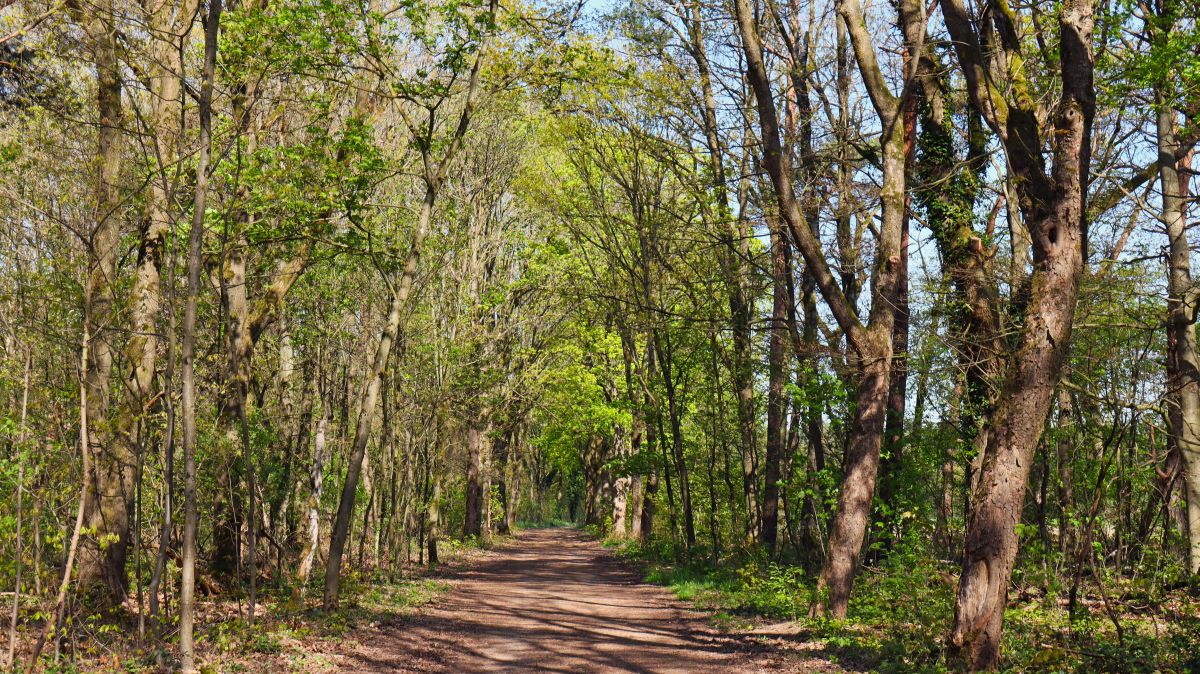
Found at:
(877, 318)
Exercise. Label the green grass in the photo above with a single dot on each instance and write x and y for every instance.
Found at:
(364, 603)
(901, 612)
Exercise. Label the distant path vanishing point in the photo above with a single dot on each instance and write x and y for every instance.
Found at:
(556, 601)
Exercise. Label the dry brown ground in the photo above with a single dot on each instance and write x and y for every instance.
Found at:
(555, 601)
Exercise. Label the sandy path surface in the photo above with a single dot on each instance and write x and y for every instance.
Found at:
(555, 601)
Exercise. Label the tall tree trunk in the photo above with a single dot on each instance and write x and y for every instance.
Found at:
(476, 437)
(312, 515)
(781, 272)
(620, 506)
(1066, 484)
(674, 414)
(649, 491)
(852, 513)
(735, 264)
(1184, 363)
(141, 351)
(808, 367)
(366, 412)
(504, 449)
(23, 437)
(991, 542)
(53, 628)
(893, 434)
(166, 531)
(652, 439)
(103, 550)
(187, 652)
(1053, 211)
(874, 349)
(435, 174)
(434, 522)
(810, 167)
(637, 431)
(512, 485)
(847, 254)
(948, 190)
(871, 343)
(246, 323)
(232, 410)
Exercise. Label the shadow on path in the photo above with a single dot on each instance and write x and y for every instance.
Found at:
(555, 601)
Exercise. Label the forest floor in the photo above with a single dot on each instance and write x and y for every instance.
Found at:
(554, 600)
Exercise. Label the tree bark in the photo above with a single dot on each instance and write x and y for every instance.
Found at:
(474, 507)
(893, 433)
(316, 482)
(852, 514)
(735, 264)
(1183, 377)
(1064, 455)
(1053, 211)
(620, 505)
(103, 550)
(191, 522)
(168, 25)
(434, 522)
(776, 376)
(53, 628)
(166, 531)
(366, 412)
(435, 174)
(871, 343)
(637, 431)
(23, 437)
(674, 414)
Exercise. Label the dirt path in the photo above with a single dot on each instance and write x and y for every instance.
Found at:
(555, 601)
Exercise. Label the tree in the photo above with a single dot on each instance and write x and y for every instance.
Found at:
(871, 342)
(187, 652)
(435, 165)
(1052, 206)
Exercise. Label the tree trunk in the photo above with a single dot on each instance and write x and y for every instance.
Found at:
(650, 489)
(166, 531)
(776, 376)
(637, 431)
(23, 437)
(141, 351)
(53, 628)
(366, 412)
(1184, 380)
(871, 343)
(620, 504)
(435, 174)
(735, 264)
(677, 450)
(433, 523)
(847, 255)
(636, 506)
(1053, 211)
(852, 514)
(231, 412)
(316, 482)
(474, 507)
(511, 469)
(191, 521)
(103, 550)
(1064, 455)
(893, 434)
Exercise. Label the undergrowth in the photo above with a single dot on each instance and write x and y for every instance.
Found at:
(902, 608)
(290, 632)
